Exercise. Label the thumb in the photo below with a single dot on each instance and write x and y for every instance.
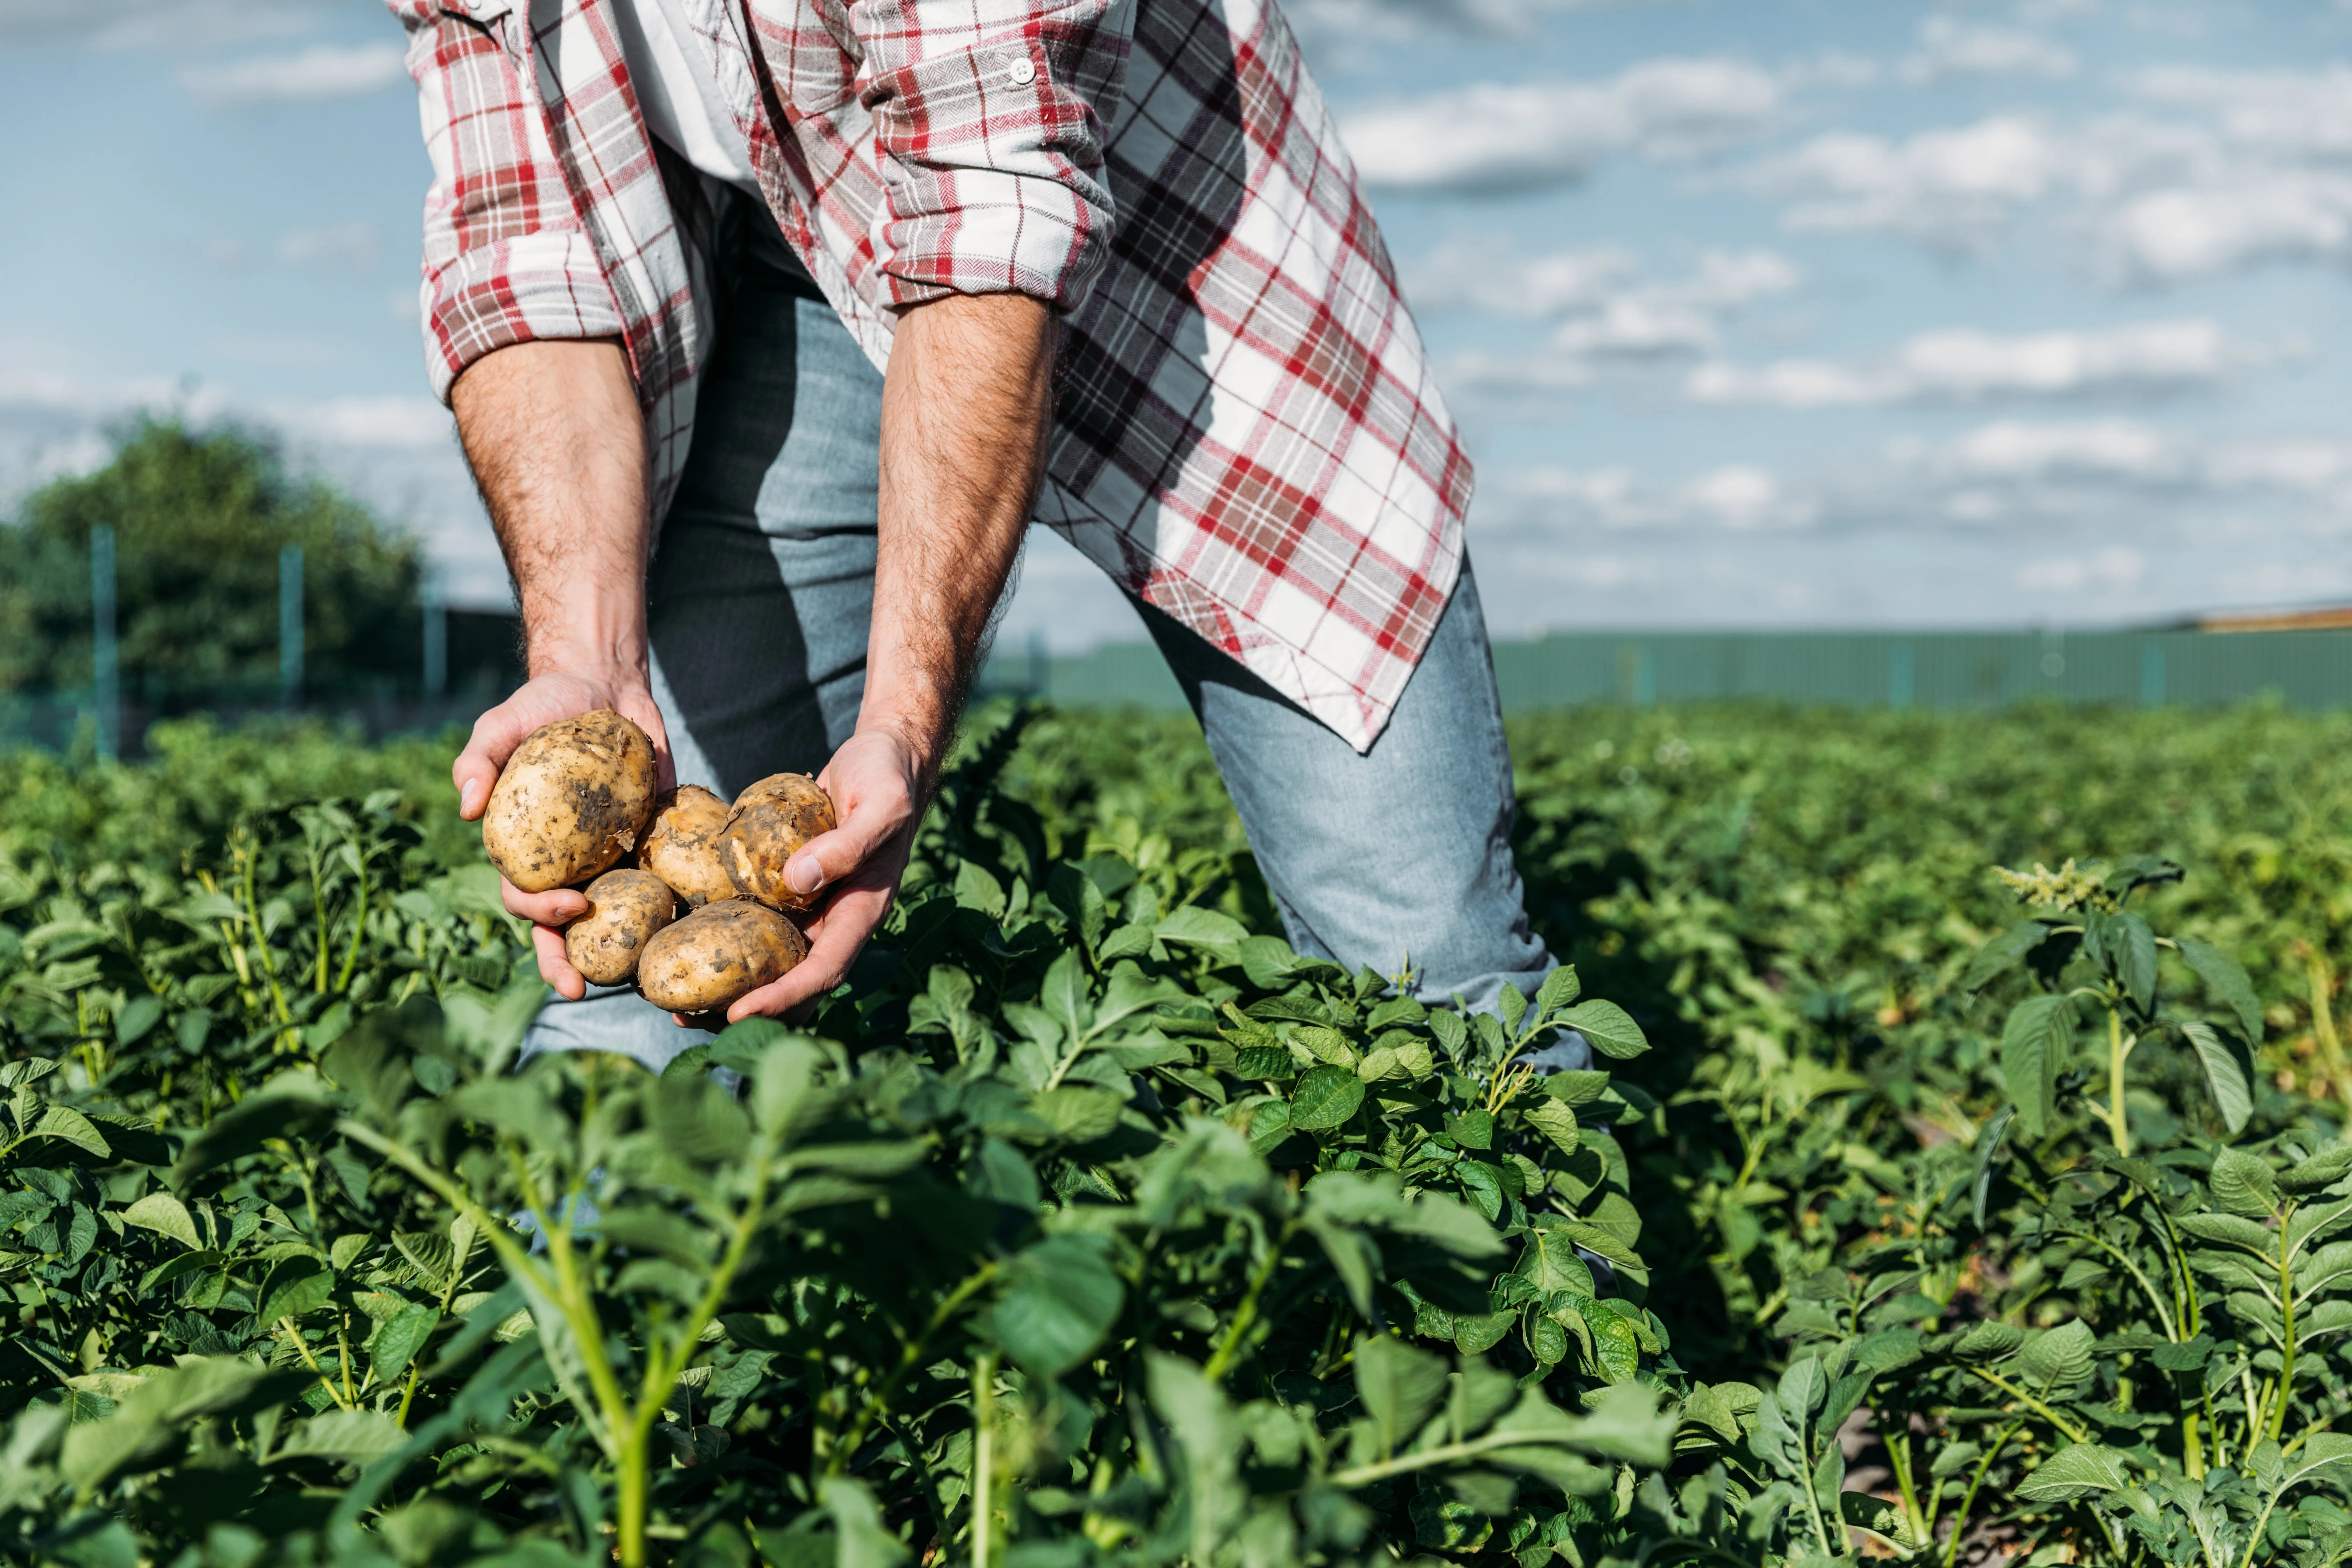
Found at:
(834, 857)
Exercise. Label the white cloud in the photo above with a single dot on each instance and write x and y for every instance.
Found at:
(1952, 189)
(1962, 366)
(1495, 136)
(1604, 309)
(177, 25)
(397, 422)
(347, 246)
(1949, 48)
(1361, 21)
(314, 76)
(2116, 567)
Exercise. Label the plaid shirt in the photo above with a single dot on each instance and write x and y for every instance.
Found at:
(1247, 434)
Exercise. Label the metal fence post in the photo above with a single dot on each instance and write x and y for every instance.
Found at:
(437, 634)
(106, 659)
(289, 624)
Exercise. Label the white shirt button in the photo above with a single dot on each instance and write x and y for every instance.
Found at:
(1019, 71)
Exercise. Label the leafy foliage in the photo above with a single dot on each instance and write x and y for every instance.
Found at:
(1093, 1224)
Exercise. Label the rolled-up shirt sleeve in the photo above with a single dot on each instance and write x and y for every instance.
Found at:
(506, 259)
(988, 119)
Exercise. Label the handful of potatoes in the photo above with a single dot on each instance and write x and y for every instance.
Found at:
(577, 800)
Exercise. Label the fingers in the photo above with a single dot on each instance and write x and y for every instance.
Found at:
(496, 735)
(559, 908)
(834, 941)
(554, 967)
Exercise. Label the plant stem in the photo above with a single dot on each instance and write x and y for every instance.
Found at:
(1898, 1456)
(2073, 1433)
(1245, 1315)
(2120, 1127)
(294, 1337)
(877, 1399)
(983, 1455)
(448, 1292)
(1969, 1497)
(2286, 1320)
(2322, 977)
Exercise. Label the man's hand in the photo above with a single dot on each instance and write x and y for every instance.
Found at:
(552, 433)
(542, 701)
(965, 408)
(876, 785)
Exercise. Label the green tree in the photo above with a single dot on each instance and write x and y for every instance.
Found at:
(199, 519)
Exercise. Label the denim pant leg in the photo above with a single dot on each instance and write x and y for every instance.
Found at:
(1402, 852)
(763, 586)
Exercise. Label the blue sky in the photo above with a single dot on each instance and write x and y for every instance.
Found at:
(1756, 313)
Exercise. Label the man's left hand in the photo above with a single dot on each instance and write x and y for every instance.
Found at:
(878, 785)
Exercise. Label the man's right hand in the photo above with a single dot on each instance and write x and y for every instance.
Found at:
(540, 701)
(552, 431)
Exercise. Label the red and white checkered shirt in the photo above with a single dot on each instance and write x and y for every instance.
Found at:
(1247, 432)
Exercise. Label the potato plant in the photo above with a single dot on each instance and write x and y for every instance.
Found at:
(1090, 1223)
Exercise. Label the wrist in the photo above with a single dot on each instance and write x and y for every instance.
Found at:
(921, 735)
(616, 660)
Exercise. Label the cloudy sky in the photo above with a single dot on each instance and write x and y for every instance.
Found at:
(1756, 312)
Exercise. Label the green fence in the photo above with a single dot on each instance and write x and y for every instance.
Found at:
(1941, 669)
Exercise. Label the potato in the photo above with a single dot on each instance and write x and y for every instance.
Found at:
(769, 822)
(570, 802)
(624, 910)
(681, 848)
(717, 953)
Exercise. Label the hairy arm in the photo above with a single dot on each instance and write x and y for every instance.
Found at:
(965, 410)
(553, 435)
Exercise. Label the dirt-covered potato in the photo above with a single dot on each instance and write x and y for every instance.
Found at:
(716, 954)
(681, 848)
(570, 802)
(769, 822)
(624, 910)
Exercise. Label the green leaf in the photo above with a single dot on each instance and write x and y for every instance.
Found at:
(2227, 1075)
(1556, 1122)
(68, 1125)
(1325, 1098)
(2002, 954)
(166, 1216)
(2243, 1184)
(1513, 1006)
(1988, 1144)
(2078, 1470)
(2057, 1358)
(862, 1539)
(2032, 1044)
(1209, 1441)
(138, 1014)
(1610, 1028)
(2226, 982)
(1561, 988)
(357, 1437)
(2324, 1456)
(2131, 948)
(1080, 1115)
(1061, 1296)
(1474, 1129)
(398, 1338)
(1197, 927)
(295, 1286)
(1400, 1388)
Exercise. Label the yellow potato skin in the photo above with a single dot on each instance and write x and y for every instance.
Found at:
(626, 909)
(681, 848)
(571, 802)
(769, 823)
(717, 953)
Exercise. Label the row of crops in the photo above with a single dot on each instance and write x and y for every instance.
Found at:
(1921, 1211)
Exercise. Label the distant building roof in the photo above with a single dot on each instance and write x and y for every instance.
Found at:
(2278, 621)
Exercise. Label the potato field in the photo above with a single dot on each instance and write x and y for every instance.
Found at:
(1966, 1183)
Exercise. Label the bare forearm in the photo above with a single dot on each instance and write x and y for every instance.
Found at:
(965, 410)
(552, 432)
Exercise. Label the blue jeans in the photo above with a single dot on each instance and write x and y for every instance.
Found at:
(759, 597)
